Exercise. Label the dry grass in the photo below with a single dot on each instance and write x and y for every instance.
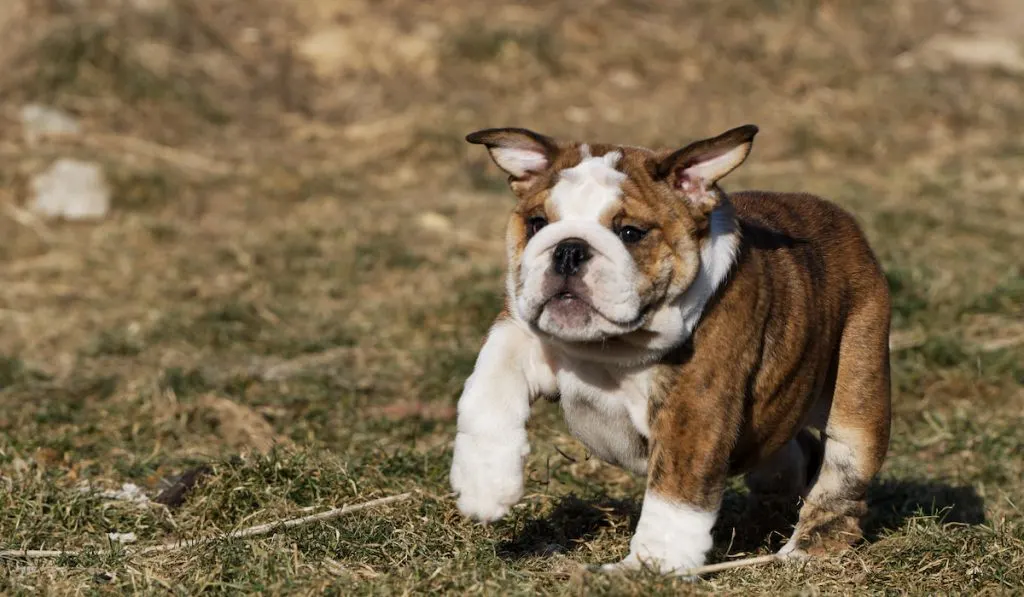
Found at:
(302, 243)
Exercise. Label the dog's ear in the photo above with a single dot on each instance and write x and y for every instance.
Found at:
(520, 152)
(693, 170)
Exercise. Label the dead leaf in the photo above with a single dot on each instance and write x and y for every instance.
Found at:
(174, 495)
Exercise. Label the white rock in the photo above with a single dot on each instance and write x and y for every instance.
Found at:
(435, 222)
(150, 6)
(992, 36)
(123, 538)
(129, 492)
(624, 78)
(327, 50)
(39, 120)
(976, 51)
(71, 189)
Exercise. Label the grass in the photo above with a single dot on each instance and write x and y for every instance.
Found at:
(301, 319)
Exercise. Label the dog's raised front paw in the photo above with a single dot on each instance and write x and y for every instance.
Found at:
(487, 473)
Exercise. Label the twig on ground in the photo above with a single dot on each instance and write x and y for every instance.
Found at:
(701, 570)
(262, 529)
(334, 567)
(295, 366)
(33, 554)
(1001, 343)
(270, 527)
(743, 563)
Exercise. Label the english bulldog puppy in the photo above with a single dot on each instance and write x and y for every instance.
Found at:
(689, 334)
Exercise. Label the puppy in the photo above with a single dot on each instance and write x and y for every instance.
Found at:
(689, 335)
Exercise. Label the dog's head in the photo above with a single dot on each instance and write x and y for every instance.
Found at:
(605, 238)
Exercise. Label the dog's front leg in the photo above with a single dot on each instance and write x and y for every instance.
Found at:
(686, 476)
(491, 444)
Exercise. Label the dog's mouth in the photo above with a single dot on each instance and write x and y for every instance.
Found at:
(568, 295)
(572, 309)
(569, 303)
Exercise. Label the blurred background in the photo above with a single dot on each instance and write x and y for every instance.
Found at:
(247, 236)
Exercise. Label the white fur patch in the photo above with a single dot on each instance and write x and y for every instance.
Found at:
(585, 191)
(790, 550)
(491, 443)
(839, 456)
(716, 259)
(670, 537)
(605, 407)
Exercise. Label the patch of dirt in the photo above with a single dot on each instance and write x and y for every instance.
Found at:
(238, 426)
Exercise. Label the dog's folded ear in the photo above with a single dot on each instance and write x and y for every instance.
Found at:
(520, 152)
(694, 169)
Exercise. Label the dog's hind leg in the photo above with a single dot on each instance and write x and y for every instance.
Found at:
(856, 435)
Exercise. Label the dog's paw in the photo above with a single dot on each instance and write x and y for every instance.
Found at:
(671, 538)
(487, 473)
(792, 552)
(633, 562)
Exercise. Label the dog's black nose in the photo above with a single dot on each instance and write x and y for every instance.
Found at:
(569, 255)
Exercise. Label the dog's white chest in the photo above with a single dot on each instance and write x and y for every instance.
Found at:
(606, 409)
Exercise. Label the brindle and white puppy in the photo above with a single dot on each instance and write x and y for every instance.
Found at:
(689, 334)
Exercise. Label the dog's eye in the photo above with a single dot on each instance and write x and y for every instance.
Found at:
(631, 234)
(534, 224)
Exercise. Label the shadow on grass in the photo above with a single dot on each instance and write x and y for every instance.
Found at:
(572, 522)
(748, 526)
(892, 502)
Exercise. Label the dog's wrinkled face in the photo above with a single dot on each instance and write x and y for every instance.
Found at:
(577, 279)
(604, 238)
